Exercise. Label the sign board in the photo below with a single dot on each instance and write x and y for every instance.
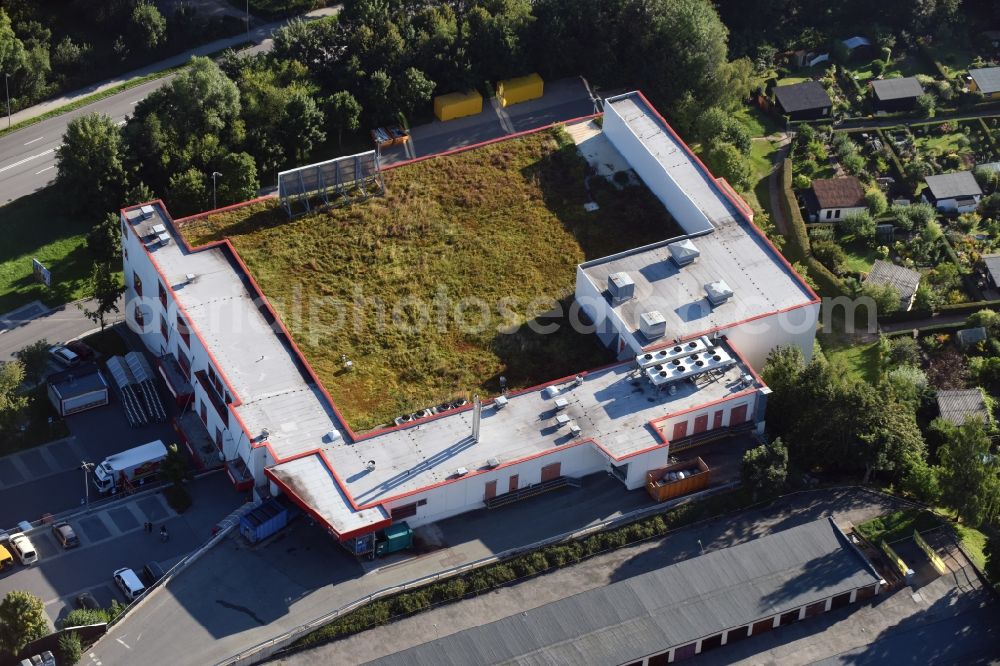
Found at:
(41, 273)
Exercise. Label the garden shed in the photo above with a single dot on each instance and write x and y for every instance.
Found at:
(803, 101)
(835, 198)
(958, 405)
(896, 94)
(903, 280)
(953, 192)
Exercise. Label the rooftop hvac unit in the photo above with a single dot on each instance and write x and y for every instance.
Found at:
(683, 252)
(493, 462)
(500, 402)
(718, 292)
(147, 212)
(621, 287)
(190, 277)
(652, 325)
(574, 429)
(164, 238)
(159, 229)
(461, 471)
(333, 437)
(550, 392)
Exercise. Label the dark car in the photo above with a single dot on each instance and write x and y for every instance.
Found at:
(81, 349)
(65, 535)
(151, 573)
(86, 601)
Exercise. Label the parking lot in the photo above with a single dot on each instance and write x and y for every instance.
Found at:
(114, 537)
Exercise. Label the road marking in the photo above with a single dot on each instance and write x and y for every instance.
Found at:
(34, 140)
(45, 169)
(26, 159)
(123, 643)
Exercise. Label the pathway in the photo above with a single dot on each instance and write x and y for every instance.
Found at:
(774, 184)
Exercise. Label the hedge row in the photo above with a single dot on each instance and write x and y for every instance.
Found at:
(989, 133)
(929, 57)
(956, 308)
(897, 166)
(798, 249)
(523, 566)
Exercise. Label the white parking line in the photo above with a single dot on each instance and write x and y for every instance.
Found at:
(26, 159)
(123, 643)
(45, 169)
(34, 140)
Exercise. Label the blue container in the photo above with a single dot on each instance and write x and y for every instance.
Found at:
(261, 522)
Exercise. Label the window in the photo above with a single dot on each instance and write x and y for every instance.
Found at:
(137, 284)
(124, 228)
(405, 511)
(164, 331)
(213, 377)
(829, 214)
(125, 252)
(140, 317)
(163, 294)
(836, 214)
(182, 360)
(185, 333)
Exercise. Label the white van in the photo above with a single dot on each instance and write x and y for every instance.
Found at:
(23, 548)
(129, 583)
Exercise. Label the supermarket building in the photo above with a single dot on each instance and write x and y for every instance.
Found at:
(702, 313)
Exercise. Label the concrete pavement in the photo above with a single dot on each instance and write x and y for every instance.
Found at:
(27, 156)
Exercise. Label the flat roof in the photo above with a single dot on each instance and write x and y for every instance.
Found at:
(670, 607)
(274, 391)
(82, 379)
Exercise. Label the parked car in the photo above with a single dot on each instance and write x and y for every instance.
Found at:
(151, 573)
(87, 601)
(23, 548)
(6, 559)
(129, 583)
(81, 349)
(65, 535)
(64, 356)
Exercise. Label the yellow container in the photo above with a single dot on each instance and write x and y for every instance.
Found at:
(521, 89)
(457, 105)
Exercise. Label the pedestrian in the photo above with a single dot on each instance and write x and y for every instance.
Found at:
(149, 527)
(163, 533)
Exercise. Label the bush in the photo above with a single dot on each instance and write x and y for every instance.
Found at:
(70, 649)
(861, 225)
(876, 202)
(831, 255)
(82, 617)
(801, 182)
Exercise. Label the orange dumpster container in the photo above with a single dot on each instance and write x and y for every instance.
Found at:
(520, 89)
(666, 482)
(457, 105)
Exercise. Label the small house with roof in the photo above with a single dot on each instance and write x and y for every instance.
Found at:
(953, 192)
(986, 81)
(831, 199)
(958, 406)
(803, 101)
(903, 280)
(896, 94)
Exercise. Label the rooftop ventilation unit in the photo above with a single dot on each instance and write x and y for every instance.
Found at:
(718, 292)
(190, 277)
(621, 287)
(146, 211)
(461, 471)
(333, 437)
(669, 353)
(164, 238)
(500, 402)
(686, 367)
(493, 462)
(652, 324)
(159, 229)
(683, 252)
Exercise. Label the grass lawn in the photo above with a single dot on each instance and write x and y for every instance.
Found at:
(761, 152)
(953, 56)
(757, 122)
(499, 229)
(859, 257)
(39, 226)
(941, 143)
(898, 525)
(789, 80)
(859, 360)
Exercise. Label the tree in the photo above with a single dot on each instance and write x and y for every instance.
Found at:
(861, 225)
(926, 104)
(876, 202)
(239, 178)
(725, 160)
(187, 192)
(175, 469)
(764, 469)
(205, 100)
(104, 289)
(90, 172)
(914, 217)
(302, 125)
(903, 350)
(13, 55)
(831, 255)
(413, 90)
(781, 373)
(104, 240)
(889, 438)
(344, 113)
(968, 472)
(149, 28)
(379, 96)
(35, 358)
(988, 319)
(908, 383)
(70, 648)
(12, 402)
(885, 296)
(715, 124)
(22, 620)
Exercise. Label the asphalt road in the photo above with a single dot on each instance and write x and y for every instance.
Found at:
(28, 156)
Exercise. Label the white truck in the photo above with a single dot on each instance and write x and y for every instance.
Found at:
(130, 467)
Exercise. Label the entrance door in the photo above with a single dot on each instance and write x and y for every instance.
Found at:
(717, 420)
(513, 483)
(491, 489)
(680, 430)
(701, 424)
(552, 471)
(738, 415)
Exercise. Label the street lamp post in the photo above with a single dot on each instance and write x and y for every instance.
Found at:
(86, 467)
(6, 85)
(214, 204)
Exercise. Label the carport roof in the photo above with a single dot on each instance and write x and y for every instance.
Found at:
(669, 607)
